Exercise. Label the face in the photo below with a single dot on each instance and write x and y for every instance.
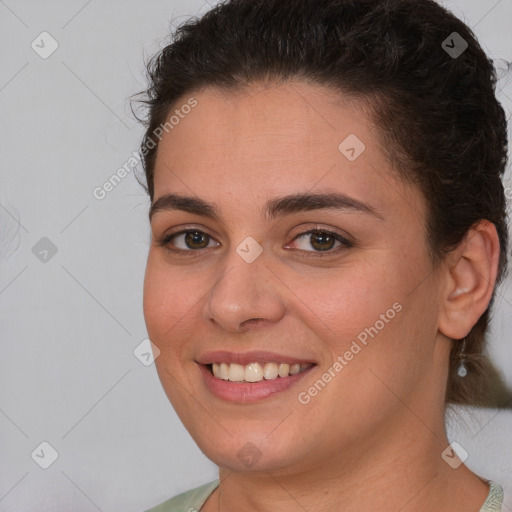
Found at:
(298, 246)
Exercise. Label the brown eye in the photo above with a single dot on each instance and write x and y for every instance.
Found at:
(320, 241)
(187, 241)
(196, 240)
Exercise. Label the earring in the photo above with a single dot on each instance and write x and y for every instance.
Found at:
(462, 370)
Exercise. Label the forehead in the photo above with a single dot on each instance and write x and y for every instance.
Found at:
(263, 121)
(267, 138)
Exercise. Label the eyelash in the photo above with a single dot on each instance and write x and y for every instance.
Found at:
(345, 244)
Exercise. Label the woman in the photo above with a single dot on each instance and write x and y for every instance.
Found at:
(328, 228)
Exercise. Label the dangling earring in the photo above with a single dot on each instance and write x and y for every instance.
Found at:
(462, 370)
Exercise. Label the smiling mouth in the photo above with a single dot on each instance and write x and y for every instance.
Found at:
(255, 372)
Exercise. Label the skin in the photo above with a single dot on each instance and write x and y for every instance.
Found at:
(372, 438)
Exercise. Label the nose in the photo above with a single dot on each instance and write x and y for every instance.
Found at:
(245, 295)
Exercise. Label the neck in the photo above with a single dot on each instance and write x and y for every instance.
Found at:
(400, 468)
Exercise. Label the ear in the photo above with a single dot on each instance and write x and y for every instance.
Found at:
(471, 271)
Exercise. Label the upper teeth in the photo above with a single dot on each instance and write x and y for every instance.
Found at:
(255, 372)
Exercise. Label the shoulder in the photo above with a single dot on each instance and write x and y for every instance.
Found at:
(494, 498)
(187, 501)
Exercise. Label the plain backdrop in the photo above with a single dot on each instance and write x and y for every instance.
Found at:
(72, 266)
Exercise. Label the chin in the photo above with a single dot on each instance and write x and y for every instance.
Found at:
(250, 451)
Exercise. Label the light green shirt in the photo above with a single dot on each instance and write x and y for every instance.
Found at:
(193, 500)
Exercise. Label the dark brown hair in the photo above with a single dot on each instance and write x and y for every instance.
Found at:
(436, 110)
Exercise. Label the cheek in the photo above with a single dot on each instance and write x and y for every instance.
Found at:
(375, 336)
(346, 301)
(168, 298)
(361, 321)
(168, 306)
(367, 322)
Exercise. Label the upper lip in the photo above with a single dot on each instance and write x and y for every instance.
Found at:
(244, 358)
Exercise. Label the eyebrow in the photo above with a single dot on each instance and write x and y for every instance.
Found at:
(278, 207)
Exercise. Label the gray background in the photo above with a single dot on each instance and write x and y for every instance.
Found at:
(70, 321)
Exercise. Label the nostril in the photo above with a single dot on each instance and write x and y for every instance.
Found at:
(251, 321)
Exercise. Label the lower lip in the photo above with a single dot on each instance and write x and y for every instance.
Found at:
(247, 392)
